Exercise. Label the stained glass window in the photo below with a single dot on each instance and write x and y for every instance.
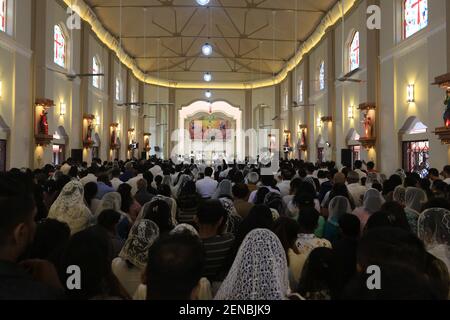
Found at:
(354, 52)
(416, 157)
(322, 76)
(59, 47)
(96, 69)
(415, 16)
(300, 91)
(3, 14)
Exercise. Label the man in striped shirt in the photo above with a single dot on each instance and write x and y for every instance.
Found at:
(212, 219)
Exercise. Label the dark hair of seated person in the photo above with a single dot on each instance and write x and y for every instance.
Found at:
(175, 266)
(49, 241)
(350, 226)
(436, 203)
(398, 282)
(159, 212)
(287, 231)
(90, 250)
(210, 212)
(308, 220)
(164, 190)
(108, 219)
(240, 191)
(90, 191)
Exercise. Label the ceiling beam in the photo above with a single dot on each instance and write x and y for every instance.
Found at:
(212, 37)
(181, 6)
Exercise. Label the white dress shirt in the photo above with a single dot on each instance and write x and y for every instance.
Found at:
(206, 187)
(285, 187)
(116, 182)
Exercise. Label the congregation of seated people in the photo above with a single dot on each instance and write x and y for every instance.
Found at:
(156, 230)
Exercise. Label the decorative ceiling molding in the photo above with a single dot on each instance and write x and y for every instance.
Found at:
(329, 20)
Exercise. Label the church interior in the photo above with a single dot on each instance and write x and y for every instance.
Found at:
(224, 149)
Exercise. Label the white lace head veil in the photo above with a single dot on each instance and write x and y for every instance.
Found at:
(142, 236)
(399, 195)
(415, 198)
(185, 228)
(260, 270)
(434, 230)
(69, 207)
(223, 190)
(373, 200)
(112, 200)
(170, 202)
(338, 206)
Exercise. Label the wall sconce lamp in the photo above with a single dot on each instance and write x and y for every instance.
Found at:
(62, 109)
(97, 121)
(319, 122)
(410, 93)
(351, 112)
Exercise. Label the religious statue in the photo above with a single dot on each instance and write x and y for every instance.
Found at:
(447, 111)
(147, 144)
(113, 137)
(303, 139)
(43, 123)
(368, 125)
(89, 132)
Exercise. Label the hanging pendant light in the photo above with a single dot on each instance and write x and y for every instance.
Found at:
(208, 94)
(207, 49)
(203, 2)
(207, 77)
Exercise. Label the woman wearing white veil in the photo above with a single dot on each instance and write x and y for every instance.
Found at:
(372, 202)
(336, 209)
(414, 199)
(260, 270)
(110, 201)
(132, 259)
(172, 205)
(434, 230)
(181, 181)
(69, 208)
(225, 196)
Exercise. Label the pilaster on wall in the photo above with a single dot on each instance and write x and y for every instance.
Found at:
(373, 79)
(172, 119)
(277, 121)
(84, 87)
(248, 119)
(140, 123)
(108, 114)
(290, 119)
(331, 88)
(127, 119)
(447, 18)
(309, 112)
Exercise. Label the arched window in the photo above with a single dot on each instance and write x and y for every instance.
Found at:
(118, 89)
(96, 69)
(354, 52)
(3, 15)
(59, 40)
(300, 91)
(322, 76)
(415, 16)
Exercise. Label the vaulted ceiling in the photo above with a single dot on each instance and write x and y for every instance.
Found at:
(252, 39)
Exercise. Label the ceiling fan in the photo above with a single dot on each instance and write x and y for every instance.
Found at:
(296, 105)
(71, 75)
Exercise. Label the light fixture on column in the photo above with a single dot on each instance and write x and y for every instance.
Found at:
(62, 109)
(97, 121)
(207, 77)
(207, 49)
(319, 122)
(203, 2)
(208, 94)
(351, 112)
(410, 93)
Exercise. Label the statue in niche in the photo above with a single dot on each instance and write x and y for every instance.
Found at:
(43, 123)
(90, 129)
(368, 125)
(113, 138)
(147, 144)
